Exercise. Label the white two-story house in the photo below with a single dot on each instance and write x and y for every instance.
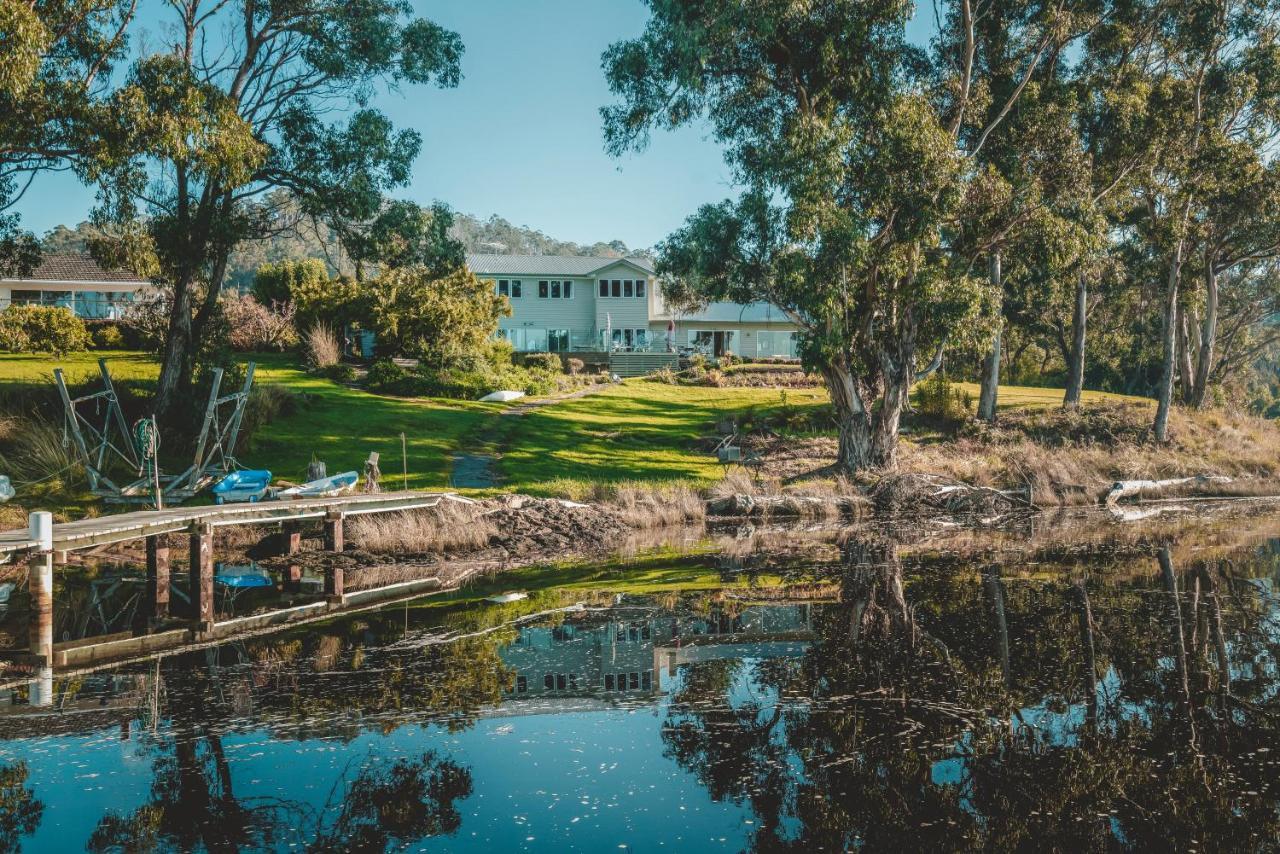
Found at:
(564, 303)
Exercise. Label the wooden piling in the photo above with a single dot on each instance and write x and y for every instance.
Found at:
(333, 583)
(292, 538)
(157, 602)
(333, 532)
(201, 577)
(40, 580)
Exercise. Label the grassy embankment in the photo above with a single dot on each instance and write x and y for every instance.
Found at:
(648, 432)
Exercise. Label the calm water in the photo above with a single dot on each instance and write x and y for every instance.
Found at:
(896, 697)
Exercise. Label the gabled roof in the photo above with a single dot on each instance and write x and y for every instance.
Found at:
(548, 265)
(76, 267)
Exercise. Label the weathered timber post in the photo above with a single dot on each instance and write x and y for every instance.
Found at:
(292, 538)
(333, 582)
(40, 584)
(157, 578)
(293, 578)
(333, 533)
(201, 576)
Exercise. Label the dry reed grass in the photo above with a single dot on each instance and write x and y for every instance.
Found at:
(322, 346)
(1071, 458)
(449, 526)
(36, 452)
(652, 505)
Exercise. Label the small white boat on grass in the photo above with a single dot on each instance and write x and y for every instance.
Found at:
(325, 487)
(509, 596)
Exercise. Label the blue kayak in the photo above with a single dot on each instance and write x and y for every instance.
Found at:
(245, 485)
(242, 576)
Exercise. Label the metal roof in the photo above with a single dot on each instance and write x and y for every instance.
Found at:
(76, 267)
(547, 265)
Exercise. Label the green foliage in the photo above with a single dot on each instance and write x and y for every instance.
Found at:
(439, 320)
(543, 362)
(42, 329)
(339, 372)
(305, 284)
(939, 399)
(108, 336)
(385, 376)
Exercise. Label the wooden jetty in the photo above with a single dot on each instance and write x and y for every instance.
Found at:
(44, 541)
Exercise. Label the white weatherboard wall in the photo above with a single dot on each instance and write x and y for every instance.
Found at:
(530, 311)
(622, 312)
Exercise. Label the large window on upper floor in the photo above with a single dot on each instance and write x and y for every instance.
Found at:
(509, 288)
(555, 289)
(623, 288)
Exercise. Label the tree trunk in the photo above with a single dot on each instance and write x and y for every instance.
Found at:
(1208, 335)
(1169, 341)
(175, 359)
(1186, 370)
(991, 366)
(1075, 367)
(867, 440)
(995, 592)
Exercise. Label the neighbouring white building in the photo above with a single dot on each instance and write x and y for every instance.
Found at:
(563, 303)
(77, 282)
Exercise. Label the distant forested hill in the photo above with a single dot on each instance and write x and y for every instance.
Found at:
(493, 235)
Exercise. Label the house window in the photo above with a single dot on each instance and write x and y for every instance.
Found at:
(522, 684)
(635, 681)
(639, 287)
(622, 681)
(608, 681)
(628, 288)
(646, 680)
(548, 681)
(568, 290)
(543, 289)
(555, 290)
(503, 288)
(573, 682)
(617, 288)
(560, 682)
(515, 289)
(558, 340)
(604, 287)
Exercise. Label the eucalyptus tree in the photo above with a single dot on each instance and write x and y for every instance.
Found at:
(1209, 102)
(250, 97)
(857, 152)
(55, 60)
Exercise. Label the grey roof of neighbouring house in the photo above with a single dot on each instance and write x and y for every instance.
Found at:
(547, 265)
(76, 267)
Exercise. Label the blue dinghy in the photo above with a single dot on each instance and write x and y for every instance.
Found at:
(246, 485)
(242, 576)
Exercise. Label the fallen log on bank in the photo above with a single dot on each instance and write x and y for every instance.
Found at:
(1123, 489)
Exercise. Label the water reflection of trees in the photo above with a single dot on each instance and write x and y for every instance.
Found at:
(20, 810)
(949, 708)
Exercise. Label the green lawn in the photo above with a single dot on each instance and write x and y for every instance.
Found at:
(640, 430)
(341, 425)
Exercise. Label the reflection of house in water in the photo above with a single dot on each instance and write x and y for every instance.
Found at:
(621, 653)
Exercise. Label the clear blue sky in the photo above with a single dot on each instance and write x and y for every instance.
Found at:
(520, 137)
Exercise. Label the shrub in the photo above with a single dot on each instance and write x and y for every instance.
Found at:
(305, 284)
(664, 375)
(322, 346)
(937, 398)
(338, 372)
(42, 329)
(148, 321)
(543, 362)
(254, 326)
(728, 359)
(108, 337)
(576, 366)
(714, 378)
(383, 375)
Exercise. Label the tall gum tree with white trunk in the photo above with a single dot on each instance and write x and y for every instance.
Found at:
(856, 151)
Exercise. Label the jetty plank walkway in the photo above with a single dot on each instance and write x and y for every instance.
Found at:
(103, 530)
